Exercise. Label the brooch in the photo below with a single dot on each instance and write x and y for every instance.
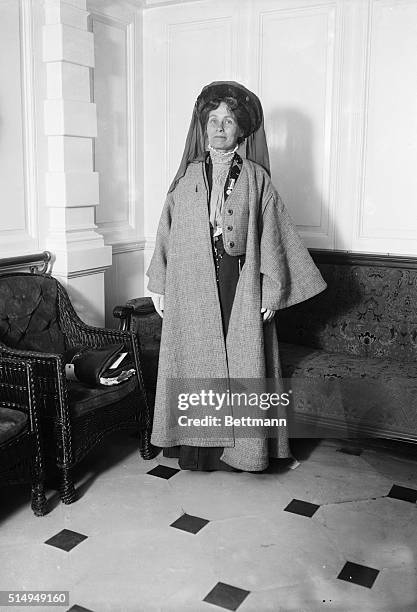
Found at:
(230, 186)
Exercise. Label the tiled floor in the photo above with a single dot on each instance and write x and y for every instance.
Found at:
(339, 533)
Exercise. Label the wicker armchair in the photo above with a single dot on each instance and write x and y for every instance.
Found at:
(37, 324)
(20, 443)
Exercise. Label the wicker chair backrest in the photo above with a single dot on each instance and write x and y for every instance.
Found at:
(29, 316)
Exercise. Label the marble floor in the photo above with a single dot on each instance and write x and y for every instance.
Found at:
(338, 533)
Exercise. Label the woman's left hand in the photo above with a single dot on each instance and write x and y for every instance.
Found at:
(268, 314)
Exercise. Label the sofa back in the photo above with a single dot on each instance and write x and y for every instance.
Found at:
(368, 309)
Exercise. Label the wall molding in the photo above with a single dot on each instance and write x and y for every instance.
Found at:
(29, 131)
(323, 233)
(149, 4)
(115, 232)
(364, 132)
(88, 272)
(361, 235)
(26, 239)
(129, 247)
(191, 24)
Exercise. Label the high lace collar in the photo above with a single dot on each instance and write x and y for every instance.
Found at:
(221, 157)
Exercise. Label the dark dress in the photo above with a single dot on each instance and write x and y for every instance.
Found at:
(227, 275)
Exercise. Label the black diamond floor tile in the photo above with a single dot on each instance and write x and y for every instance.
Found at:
(297, 506)
(163, 471)
(77, 608)
(350, 450)
(66, 539)
(226, 596)
(403, 493)
(192, 524)
(358, 574)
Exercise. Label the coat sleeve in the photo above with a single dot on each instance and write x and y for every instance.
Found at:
(157, 268)
(288, 273)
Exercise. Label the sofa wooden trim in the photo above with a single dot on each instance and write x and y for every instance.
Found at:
(362, 259)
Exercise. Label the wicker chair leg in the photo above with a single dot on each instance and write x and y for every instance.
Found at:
(67, 489)
(146, 449)
(39, 503)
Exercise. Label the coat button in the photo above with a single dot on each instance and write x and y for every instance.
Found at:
(231, 245)
(230, 211)
(229, 228)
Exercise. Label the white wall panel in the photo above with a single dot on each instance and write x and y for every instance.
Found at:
(337, 82)
(387, 217)
(124, 280)
(115, 146)
(288, 53)
(118, 85)
(296, 82)
(189, 68)
(184, 49)
(18, 219)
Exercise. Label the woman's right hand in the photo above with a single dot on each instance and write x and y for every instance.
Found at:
(158, 302)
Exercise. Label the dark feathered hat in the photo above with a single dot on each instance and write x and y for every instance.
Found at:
(247, 100)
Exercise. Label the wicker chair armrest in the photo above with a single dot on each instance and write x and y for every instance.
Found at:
(124, 314)
(141, 306)
(49, 375)
(88, 335)
(78, 333)
(14, 360)
(16, 373)
(13, 369)
(7, 352)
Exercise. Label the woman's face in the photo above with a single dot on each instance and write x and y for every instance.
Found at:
(222, 128)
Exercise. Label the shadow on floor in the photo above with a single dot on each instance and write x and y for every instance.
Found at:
(113, 450)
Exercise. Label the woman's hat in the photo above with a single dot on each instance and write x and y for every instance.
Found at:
(254, 147)
(246, 99)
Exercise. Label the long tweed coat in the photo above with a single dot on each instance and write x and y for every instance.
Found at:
(277, 273)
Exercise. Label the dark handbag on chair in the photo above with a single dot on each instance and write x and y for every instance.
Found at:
(104, 365)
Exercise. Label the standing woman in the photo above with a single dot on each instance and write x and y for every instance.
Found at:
(227, 256)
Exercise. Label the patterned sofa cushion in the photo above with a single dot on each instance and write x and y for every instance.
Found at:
(29, 313)
(12, 422)
(300, 360)
(364, 394)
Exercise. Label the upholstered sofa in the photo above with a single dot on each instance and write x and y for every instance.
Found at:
(349, 355)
